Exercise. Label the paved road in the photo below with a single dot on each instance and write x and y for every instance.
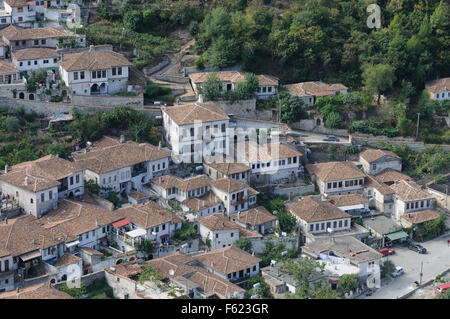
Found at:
(317, 138)
(435, 262)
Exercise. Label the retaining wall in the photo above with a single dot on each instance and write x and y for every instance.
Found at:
(107, 100)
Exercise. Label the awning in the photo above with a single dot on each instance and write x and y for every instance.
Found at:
(164, 236)
(397, 235)
(72, 243)
(136, 233)
(30, 255)
(103, 239)
(121, 223)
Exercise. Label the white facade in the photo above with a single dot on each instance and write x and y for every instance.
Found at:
(219, 238)
(402, 207)
(41, 63)
(21, 15)
(341, 187)
(190, 143)
(381, 164)
(87, 82)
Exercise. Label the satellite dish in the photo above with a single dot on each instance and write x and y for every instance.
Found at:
(329, 230)
(171, 272)
(256, 285)
(275, 212)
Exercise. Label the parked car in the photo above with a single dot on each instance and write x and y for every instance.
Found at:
(331, 138)
(442, 288)
(398, 271)
(418, 248)
(387, 251)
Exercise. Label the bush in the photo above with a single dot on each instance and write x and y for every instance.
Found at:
(244, 244)
(11, 124)
(186, 232)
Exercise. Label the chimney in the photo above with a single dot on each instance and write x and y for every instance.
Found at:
(91, 48)
(6, 169)
(122, 139)
(159, 145)
(96, 222)
(26, 180)
(6, 220)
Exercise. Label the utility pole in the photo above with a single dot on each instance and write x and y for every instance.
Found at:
(421, 274)
(417, 130)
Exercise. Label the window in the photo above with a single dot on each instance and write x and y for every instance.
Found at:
(50, 195)
(77, 178)
(42, 197)
(94, 74)
(119, 71)
(322, 226)
(35, 62)
(254, 268)
(43, 41)
(31, 200)
(87, 235)
(340, 224)
(75, 75)
(317, 226)
(311, 227)
(232, 234)
(328, 225)
(21, 64)
(334, 224)
(36, 42)
(103, 74)
(113, 71)
(45, 61)
(217, 235)
(269, 89)
(29, 63)
(56, 60)
(223, 127)
(329, 185)
(164, 227)
(345, 223)
(81, 73)
(71, 180)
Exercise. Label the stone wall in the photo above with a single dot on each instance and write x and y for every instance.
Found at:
(370, 140)
(244, 108)
(294, 191)
(53, 108)
(172, 78)
(107, 100)
(258, 245)
(150, 70)
(86, 280)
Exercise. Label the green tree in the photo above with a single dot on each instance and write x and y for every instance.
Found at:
(305, 271)
(146, 247)
(11, 124)
(387, 268)
(291, 108)
(333, 120)
(379, 78)
(186, 232)
(58, 149)
(348, 282)
(222, 53)
(212, 88)
(133, 20)
(262, 291)
(244, 244)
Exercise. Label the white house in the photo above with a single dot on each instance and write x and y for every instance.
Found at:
(37, 185)
(121, 165)
(235, 195)
(217, 168)
(218, 230)
(270, 163)
(94, 71)
(195, 131)
(35, 58)
(9, 74)
(231, 263)
(316, 216)
(310, 91)
(439, 89)
(267, 84)
(258, 219)
(375, 161)
(20, 11)
(337, 178)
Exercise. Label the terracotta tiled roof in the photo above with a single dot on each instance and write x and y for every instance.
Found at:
(7, 67)
(199, 203)
(229, 185)
(228, 168)
(148, 215)
(187, 184)
(409, 191)
(91, 251)
(255, 216)
(66, 260)
(314, 88)
(248, 233)
(252, 152)
(116, 155)
(40, 174)
(379, 186)
(233, 77)
(183, 265)
(371, 155)
(421, 216)
(348, 200)
(441, 85)
(311, 210)
(227, 260)
(390, 175)
(41, 291)
(189, 113)
(16, 3)
(334, 171)
(217, 222)
(13, 33)
(34, 53)
(93, 60)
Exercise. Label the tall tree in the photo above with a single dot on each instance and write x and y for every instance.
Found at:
(378, 79)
